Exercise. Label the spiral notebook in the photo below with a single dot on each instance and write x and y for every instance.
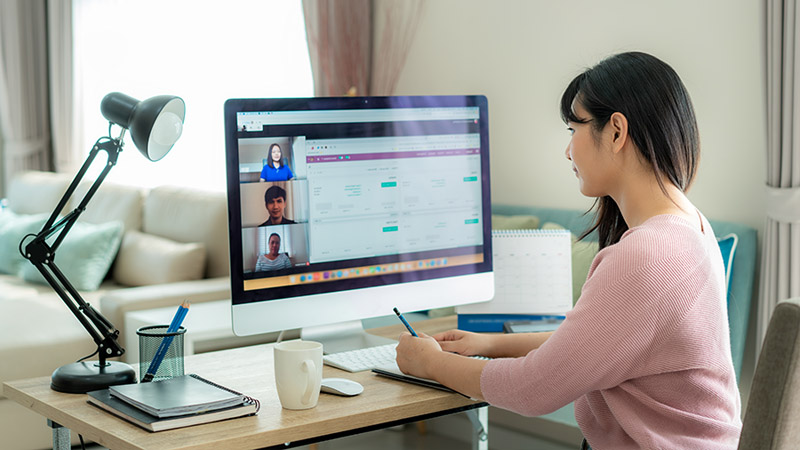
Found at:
(533, 280)
(175, 402)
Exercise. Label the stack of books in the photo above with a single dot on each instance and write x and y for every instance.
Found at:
(173, 403)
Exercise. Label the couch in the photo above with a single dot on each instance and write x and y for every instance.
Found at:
(157, 248)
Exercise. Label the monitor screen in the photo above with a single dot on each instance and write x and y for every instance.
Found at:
(342, 208)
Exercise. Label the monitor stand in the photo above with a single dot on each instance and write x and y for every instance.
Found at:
(342, 337)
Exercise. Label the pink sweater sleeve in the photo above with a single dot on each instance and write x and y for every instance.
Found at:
(651, 307)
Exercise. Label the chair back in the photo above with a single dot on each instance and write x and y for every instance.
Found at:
(772, 418)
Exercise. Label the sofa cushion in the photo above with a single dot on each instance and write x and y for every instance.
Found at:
(727, 246)
(36, 192)
(189, 215)
(514, 222)
(145, 259)
(56, 339)
(85, 255)
(13, 228)
(111, 202)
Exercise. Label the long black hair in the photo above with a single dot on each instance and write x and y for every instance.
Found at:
(661, 123)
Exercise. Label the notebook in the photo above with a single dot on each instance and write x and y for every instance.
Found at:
(178, 396)
(533, 280)
(104, 400)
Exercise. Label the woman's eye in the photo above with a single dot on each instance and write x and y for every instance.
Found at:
(571, 131)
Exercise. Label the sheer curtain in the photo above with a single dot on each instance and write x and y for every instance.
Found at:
(204, 52)
(24, 102)
(780, 269)
(359, 47)
(66, 151)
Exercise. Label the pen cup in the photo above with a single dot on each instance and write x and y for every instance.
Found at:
(150, 340)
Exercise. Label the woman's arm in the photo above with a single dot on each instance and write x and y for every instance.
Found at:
(445, 357)
(423, 357)
(491, 345)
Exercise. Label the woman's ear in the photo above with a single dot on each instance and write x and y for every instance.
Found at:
(619, 131)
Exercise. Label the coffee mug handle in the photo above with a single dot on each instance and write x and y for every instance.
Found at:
(311, 371)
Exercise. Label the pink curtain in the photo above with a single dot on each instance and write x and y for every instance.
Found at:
(359, 47)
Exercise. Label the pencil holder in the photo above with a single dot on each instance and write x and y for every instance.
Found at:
(160, 352)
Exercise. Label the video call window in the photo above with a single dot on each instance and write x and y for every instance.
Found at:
(317, 206)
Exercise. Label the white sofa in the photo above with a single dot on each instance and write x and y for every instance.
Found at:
(173, 237)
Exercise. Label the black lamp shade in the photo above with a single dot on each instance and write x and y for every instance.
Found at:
(155, 124)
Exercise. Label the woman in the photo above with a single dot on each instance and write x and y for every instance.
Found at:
(645, 353)
(273, 260)
(275, 170)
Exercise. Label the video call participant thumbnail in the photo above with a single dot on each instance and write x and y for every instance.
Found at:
(275, 202)
(273, 260)
(275, 169)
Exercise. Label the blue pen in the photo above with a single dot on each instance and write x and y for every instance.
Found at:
(405, 322)
(174, 326)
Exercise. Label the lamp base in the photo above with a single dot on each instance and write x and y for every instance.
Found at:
(82, 377)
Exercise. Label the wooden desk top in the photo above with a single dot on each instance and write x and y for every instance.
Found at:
(250, 370)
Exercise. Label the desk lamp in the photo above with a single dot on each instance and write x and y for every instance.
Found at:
(155, 125)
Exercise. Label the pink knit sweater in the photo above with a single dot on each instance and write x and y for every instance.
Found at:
(645, 354)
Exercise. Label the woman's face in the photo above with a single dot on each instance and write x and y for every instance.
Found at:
(276, 153)
(590, 154)
(274, 245)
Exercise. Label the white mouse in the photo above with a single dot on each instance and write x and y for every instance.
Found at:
(341, 386)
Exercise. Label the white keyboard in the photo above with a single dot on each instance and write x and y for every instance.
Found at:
(363, 358)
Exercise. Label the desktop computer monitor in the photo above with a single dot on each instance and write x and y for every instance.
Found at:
(342, 208)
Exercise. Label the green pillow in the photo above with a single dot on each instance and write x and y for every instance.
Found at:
(14, 227)
(84, 256)
(519, 222)
(583, 253)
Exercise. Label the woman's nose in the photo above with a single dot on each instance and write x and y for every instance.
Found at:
(566, 153)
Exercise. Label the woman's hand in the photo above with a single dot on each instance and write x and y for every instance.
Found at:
(414, 354)
(465, 343)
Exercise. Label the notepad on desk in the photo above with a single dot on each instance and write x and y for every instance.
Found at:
(104, 400)
(174, 402)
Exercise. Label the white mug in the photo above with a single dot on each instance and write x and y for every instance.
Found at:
(298, 373)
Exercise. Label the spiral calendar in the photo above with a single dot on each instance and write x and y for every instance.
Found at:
(533, 279)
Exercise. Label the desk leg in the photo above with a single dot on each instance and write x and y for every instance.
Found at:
(480, 423)
(61, 439)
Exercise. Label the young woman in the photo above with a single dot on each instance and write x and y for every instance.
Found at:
(645, 354)
(275, 170)
(273, 260)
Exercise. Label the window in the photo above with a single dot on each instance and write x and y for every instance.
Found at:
(202, 51)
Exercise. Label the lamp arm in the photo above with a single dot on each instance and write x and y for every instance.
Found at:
(42, 255)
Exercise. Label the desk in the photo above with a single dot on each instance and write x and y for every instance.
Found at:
(250, 370)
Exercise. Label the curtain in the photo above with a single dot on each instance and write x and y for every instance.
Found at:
(359, 47)
(780, 264)
(67, 154)
(24, 102)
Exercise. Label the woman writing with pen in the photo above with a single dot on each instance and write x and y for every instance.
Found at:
(645, 353)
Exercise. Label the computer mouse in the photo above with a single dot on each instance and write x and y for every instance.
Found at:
(341, 386)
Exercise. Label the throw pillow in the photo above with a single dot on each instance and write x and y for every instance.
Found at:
(727, 246)
(146, 259)
(518, 222)
(85, 255)
(583, 253)
(13, 228)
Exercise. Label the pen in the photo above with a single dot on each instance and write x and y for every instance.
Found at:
(405, 322)
(174, 326)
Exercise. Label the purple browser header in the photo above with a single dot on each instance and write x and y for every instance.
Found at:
(391, 155)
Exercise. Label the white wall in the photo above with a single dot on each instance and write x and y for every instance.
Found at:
(521, 54)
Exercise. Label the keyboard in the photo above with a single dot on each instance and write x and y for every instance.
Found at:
(362, 358)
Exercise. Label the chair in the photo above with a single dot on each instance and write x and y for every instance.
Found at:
(772, 418)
